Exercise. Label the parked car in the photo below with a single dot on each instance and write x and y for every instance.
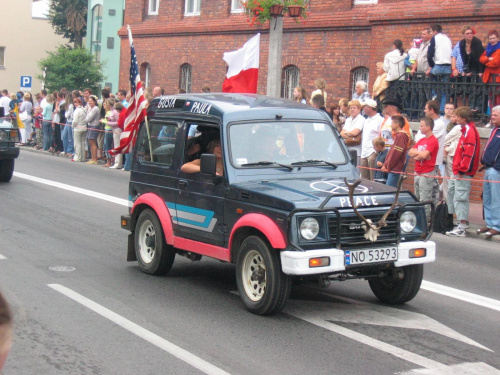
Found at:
(9, 136)
(285, 202)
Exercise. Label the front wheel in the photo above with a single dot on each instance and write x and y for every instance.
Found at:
(154, 255)
(6, 169)
(395, 291)
(263, 287)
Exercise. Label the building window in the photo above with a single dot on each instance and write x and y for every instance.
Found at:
(2, 56)
(192, 8)
(185, 81)
(236, 6)
(362, 2)
(291, 75)
(359, 74)
(96, 35)
(146, 74)
(153, 6)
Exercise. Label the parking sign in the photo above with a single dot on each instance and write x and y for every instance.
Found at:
(26, 83)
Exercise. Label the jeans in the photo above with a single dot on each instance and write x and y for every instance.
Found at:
(48, 135)
(67, 139)
(393, 179)
(458, 196)
(442, 73)
(491, 198)
(128, 162)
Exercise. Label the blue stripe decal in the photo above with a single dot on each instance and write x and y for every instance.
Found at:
(205, 214)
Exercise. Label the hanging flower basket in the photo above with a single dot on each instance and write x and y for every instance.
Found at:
(295, 11)
(261, 11)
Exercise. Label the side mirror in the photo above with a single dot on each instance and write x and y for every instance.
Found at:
(354, 157)
(208, 164)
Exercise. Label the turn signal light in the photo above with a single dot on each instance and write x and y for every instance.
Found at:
(124, 223)
(418, 253)
(319, 262)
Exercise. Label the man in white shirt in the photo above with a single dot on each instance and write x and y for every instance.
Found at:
(4, 102)
(439, 59)
(371, 131)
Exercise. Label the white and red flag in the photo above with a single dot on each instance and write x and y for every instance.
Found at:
(243, 68)
(136, 110)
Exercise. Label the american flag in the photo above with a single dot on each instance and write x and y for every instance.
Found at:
(136, 110)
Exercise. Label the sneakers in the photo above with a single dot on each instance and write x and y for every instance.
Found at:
(459, 231)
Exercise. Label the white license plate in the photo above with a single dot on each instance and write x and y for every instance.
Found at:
(387, 254)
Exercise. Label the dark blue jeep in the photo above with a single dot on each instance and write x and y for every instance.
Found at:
(282, 201)
(9, 135)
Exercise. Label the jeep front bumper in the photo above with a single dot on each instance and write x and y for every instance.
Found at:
(298, 262)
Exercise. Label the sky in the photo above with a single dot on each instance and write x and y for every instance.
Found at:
(40, 8)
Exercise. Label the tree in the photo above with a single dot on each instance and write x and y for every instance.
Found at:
(69, 19)
(73, 68)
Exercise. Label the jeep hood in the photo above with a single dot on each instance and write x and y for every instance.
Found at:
(311, 193)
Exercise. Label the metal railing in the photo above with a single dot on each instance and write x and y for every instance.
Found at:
(415, 90)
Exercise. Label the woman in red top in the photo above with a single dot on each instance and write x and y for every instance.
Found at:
(491, 59)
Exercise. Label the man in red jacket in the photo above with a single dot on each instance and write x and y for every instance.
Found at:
(465, 164)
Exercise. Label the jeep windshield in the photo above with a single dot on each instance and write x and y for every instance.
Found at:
(284, 144)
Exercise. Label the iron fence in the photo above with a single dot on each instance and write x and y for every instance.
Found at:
(415, 90)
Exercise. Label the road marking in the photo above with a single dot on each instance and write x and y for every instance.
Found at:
(297, 310)
(74, 189)
(476, 299)
(2, 257)
(359, 312)
(143, 333)
(477, 368)
(426, 285)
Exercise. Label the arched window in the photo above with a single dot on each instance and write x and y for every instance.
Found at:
(96, 32)
(290, 80)
(146, 74)
(185, 81)
(359, 74)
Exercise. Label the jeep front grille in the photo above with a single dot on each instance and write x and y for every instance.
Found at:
(352, 232)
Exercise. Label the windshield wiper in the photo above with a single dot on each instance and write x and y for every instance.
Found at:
(315, 161)
(289, 167)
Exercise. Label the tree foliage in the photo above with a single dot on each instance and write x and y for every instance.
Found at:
(73, 68)
(69, 19)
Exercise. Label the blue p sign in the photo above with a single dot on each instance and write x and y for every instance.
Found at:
(25, 82)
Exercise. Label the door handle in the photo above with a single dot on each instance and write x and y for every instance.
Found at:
(183, 185)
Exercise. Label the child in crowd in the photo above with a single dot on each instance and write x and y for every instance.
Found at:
(379, 146)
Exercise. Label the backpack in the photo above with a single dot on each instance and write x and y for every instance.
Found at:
(443, 221)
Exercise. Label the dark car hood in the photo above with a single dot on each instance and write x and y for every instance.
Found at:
(311, 193)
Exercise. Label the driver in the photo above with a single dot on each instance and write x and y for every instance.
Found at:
(266, 148)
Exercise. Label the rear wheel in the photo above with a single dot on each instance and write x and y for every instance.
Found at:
(6, 169)
(263, 287)
(154, 255)
(393, 290)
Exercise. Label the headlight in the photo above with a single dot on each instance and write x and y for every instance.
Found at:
(309, 228)
(408, 221)
(3, 135)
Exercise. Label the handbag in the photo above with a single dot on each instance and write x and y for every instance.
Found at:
(353, 141)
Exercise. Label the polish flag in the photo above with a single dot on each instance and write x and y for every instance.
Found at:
(243, 68)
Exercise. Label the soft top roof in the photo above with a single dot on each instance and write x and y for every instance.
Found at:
(222, 104)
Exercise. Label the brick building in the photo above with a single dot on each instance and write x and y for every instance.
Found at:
(180, 43)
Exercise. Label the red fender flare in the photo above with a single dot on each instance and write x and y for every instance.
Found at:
(161, 210)
(263, 224)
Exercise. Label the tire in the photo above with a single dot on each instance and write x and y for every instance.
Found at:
(263, 287)
(6, 169)
(154, 255)
(395, 291)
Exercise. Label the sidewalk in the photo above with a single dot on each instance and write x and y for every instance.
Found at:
(476, 221)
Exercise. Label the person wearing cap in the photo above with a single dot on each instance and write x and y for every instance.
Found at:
(371, 130)
(392, 107)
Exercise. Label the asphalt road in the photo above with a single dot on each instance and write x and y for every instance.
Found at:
(80, 308)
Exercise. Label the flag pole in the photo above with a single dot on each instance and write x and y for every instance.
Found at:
(146, 123)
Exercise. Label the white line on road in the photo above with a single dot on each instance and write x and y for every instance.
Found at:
(476, 299)
(149, 336)
(74, 189)
(2, 257)
(426, 285)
